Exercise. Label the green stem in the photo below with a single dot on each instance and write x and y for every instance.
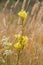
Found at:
(18, 57)
(22, 28)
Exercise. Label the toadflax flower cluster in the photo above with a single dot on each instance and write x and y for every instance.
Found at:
(21, 41)
(22, 14)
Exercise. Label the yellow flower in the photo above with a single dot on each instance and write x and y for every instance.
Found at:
(21, 41)
(25, 40)
(17, 35)
(17, 45)
(22, 14)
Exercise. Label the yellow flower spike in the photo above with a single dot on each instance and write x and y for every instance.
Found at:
(21, 41)
(22, 14)
(17, 45)
(25, 40)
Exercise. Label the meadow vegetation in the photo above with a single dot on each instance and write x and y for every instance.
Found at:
(21, 32)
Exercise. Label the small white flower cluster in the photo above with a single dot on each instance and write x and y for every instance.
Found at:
(7, 52)
(5, 41)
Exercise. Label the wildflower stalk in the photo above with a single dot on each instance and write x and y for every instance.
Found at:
(22, 28)
(18, 57)
(21, 41)
(21, 44)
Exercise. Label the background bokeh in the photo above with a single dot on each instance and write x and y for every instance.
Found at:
(10, 24)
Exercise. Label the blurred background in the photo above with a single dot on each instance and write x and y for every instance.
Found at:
(10, 24)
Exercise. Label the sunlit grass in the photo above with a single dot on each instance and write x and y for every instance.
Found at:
(19, 44)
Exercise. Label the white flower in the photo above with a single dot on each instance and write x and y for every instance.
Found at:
(7, 52)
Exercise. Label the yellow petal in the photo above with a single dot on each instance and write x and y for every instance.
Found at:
(25, 40)
(22, 14)
(17, 45)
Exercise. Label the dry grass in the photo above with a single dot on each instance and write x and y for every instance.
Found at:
(33, 53)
